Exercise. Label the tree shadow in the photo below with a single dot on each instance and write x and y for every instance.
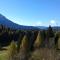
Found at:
(1, 49)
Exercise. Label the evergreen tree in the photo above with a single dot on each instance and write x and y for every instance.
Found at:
(25, 43)
(38, 41)
(50, 37)
(19, 41)
(57, 40)
(50, 32)
(58, 45)
(43, 36)
(12, 49)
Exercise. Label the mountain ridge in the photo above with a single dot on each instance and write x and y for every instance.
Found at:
(6, 22)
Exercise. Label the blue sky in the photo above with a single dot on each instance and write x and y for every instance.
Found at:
(32, 12)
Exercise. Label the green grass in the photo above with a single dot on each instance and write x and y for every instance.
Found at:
(6, 54)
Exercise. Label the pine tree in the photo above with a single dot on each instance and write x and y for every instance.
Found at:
(38, 41)
(59, 43)
(12, 49)
(50, 37)
(19, 41)
(25, 42)
(57, 40)
(50, 32)
(43, 36)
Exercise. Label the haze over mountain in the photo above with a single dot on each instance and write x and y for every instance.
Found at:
(6, 22)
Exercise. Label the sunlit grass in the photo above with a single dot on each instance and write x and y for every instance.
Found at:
(6, 54)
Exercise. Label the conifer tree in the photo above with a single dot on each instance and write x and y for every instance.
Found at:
(59, 43)
(57, 40)
(19, 41)
(50, 32)
(38, 41)
(43, 36)
(12, 49)
(25, 42)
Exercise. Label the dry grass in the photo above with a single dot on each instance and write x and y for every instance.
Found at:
(6, 54)
(45, 54)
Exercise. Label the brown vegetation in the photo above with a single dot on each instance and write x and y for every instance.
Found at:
(31, 44)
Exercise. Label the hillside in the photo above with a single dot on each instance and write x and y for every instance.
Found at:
(6, 22)
(29, 44)
(18, 42)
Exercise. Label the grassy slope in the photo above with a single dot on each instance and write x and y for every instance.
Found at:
(45, 54)
(6, 54)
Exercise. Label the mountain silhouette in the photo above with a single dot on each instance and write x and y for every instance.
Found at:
(6, 22)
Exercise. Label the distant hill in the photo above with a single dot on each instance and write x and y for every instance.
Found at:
(6, 22)
(56, 28)
(42, 27)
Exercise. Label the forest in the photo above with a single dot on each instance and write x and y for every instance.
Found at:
(29, 44)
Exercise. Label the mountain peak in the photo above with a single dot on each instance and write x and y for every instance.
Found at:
(6, 22)
(1, 16)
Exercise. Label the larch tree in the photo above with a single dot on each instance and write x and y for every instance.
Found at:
(38, 41)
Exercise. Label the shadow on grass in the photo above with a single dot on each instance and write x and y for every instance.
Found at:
(1, 49)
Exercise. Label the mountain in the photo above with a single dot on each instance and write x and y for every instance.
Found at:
(42, 27)
(6, 22)
(56, 28)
